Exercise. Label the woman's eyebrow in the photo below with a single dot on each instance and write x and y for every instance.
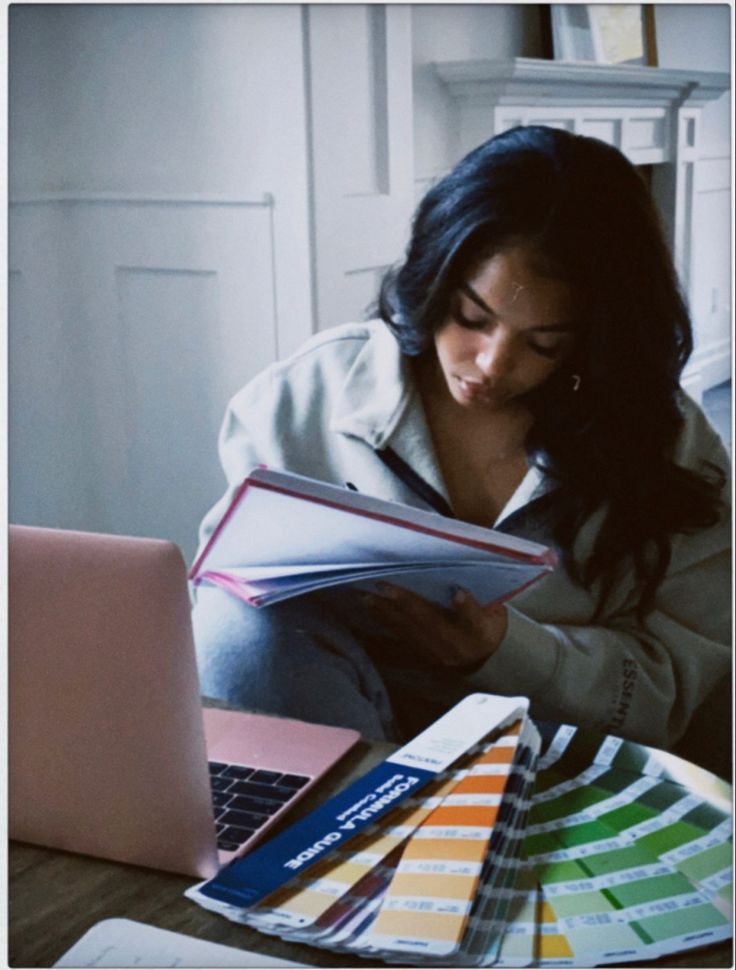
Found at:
(563, 327)
(469, 291)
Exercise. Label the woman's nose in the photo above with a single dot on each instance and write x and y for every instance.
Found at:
(494, 357)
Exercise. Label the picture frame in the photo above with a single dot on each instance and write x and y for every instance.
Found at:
(604, 33)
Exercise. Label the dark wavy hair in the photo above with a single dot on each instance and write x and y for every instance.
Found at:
(588, 218)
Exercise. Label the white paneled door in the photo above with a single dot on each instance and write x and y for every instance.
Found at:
(360, 117)
(132, 322)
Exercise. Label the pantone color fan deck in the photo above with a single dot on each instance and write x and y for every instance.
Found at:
(502, 849)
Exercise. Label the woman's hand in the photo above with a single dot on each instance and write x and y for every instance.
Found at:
(462, 637)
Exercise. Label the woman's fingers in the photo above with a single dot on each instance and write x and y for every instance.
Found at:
(466, 635)
(421, 626)
(488, 623)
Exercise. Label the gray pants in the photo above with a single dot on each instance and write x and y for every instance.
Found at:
(318, 658)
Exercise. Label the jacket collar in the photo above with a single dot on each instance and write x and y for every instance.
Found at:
(377, 390)
(379, 404)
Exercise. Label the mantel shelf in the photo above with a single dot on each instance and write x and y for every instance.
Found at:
(525, 80)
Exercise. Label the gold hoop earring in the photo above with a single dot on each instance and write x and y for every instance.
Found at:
(576, 382)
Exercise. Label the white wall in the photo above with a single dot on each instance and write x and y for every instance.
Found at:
(449, 32)
(159, 249)
(698, 37)
(156, 98)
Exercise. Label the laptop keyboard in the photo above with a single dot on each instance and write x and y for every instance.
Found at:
(245, 799)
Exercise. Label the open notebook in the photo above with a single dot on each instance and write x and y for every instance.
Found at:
(284, 535)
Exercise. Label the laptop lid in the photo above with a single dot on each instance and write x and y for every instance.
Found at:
(106, 743)
(107, 747)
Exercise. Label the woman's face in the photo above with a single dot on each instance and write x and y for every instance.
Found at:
(508, 329)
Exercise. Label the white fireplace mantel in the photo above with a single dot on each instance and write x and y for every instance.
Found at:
(651, 114)
(522, 80)
(634, 108)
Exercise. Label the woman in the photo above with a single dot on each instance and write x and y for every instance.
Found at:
(524, 375)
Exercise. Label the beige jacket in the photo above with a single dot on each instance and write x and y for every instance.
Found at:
(349, 391)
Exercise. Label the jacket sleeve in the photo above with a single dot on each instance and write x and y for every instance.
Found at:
(641, 681)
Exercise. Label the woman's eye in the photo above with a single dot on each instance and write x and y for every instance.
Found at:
(547, 349)
(470, 323)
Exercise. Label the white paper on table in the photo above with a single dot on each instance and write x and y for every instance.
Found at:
(127, 943)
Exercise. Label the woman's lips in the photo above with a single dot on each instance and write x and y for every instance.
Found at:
(474, 390)
(480, 392)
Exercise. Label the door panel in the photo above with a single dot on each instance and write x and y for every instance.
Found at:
(360, 73)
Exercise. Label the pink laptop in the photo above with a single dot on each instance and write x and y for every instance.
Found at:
(110, 751)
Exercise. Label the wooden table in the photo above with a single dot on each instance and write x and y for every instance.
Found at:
(55, 897)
